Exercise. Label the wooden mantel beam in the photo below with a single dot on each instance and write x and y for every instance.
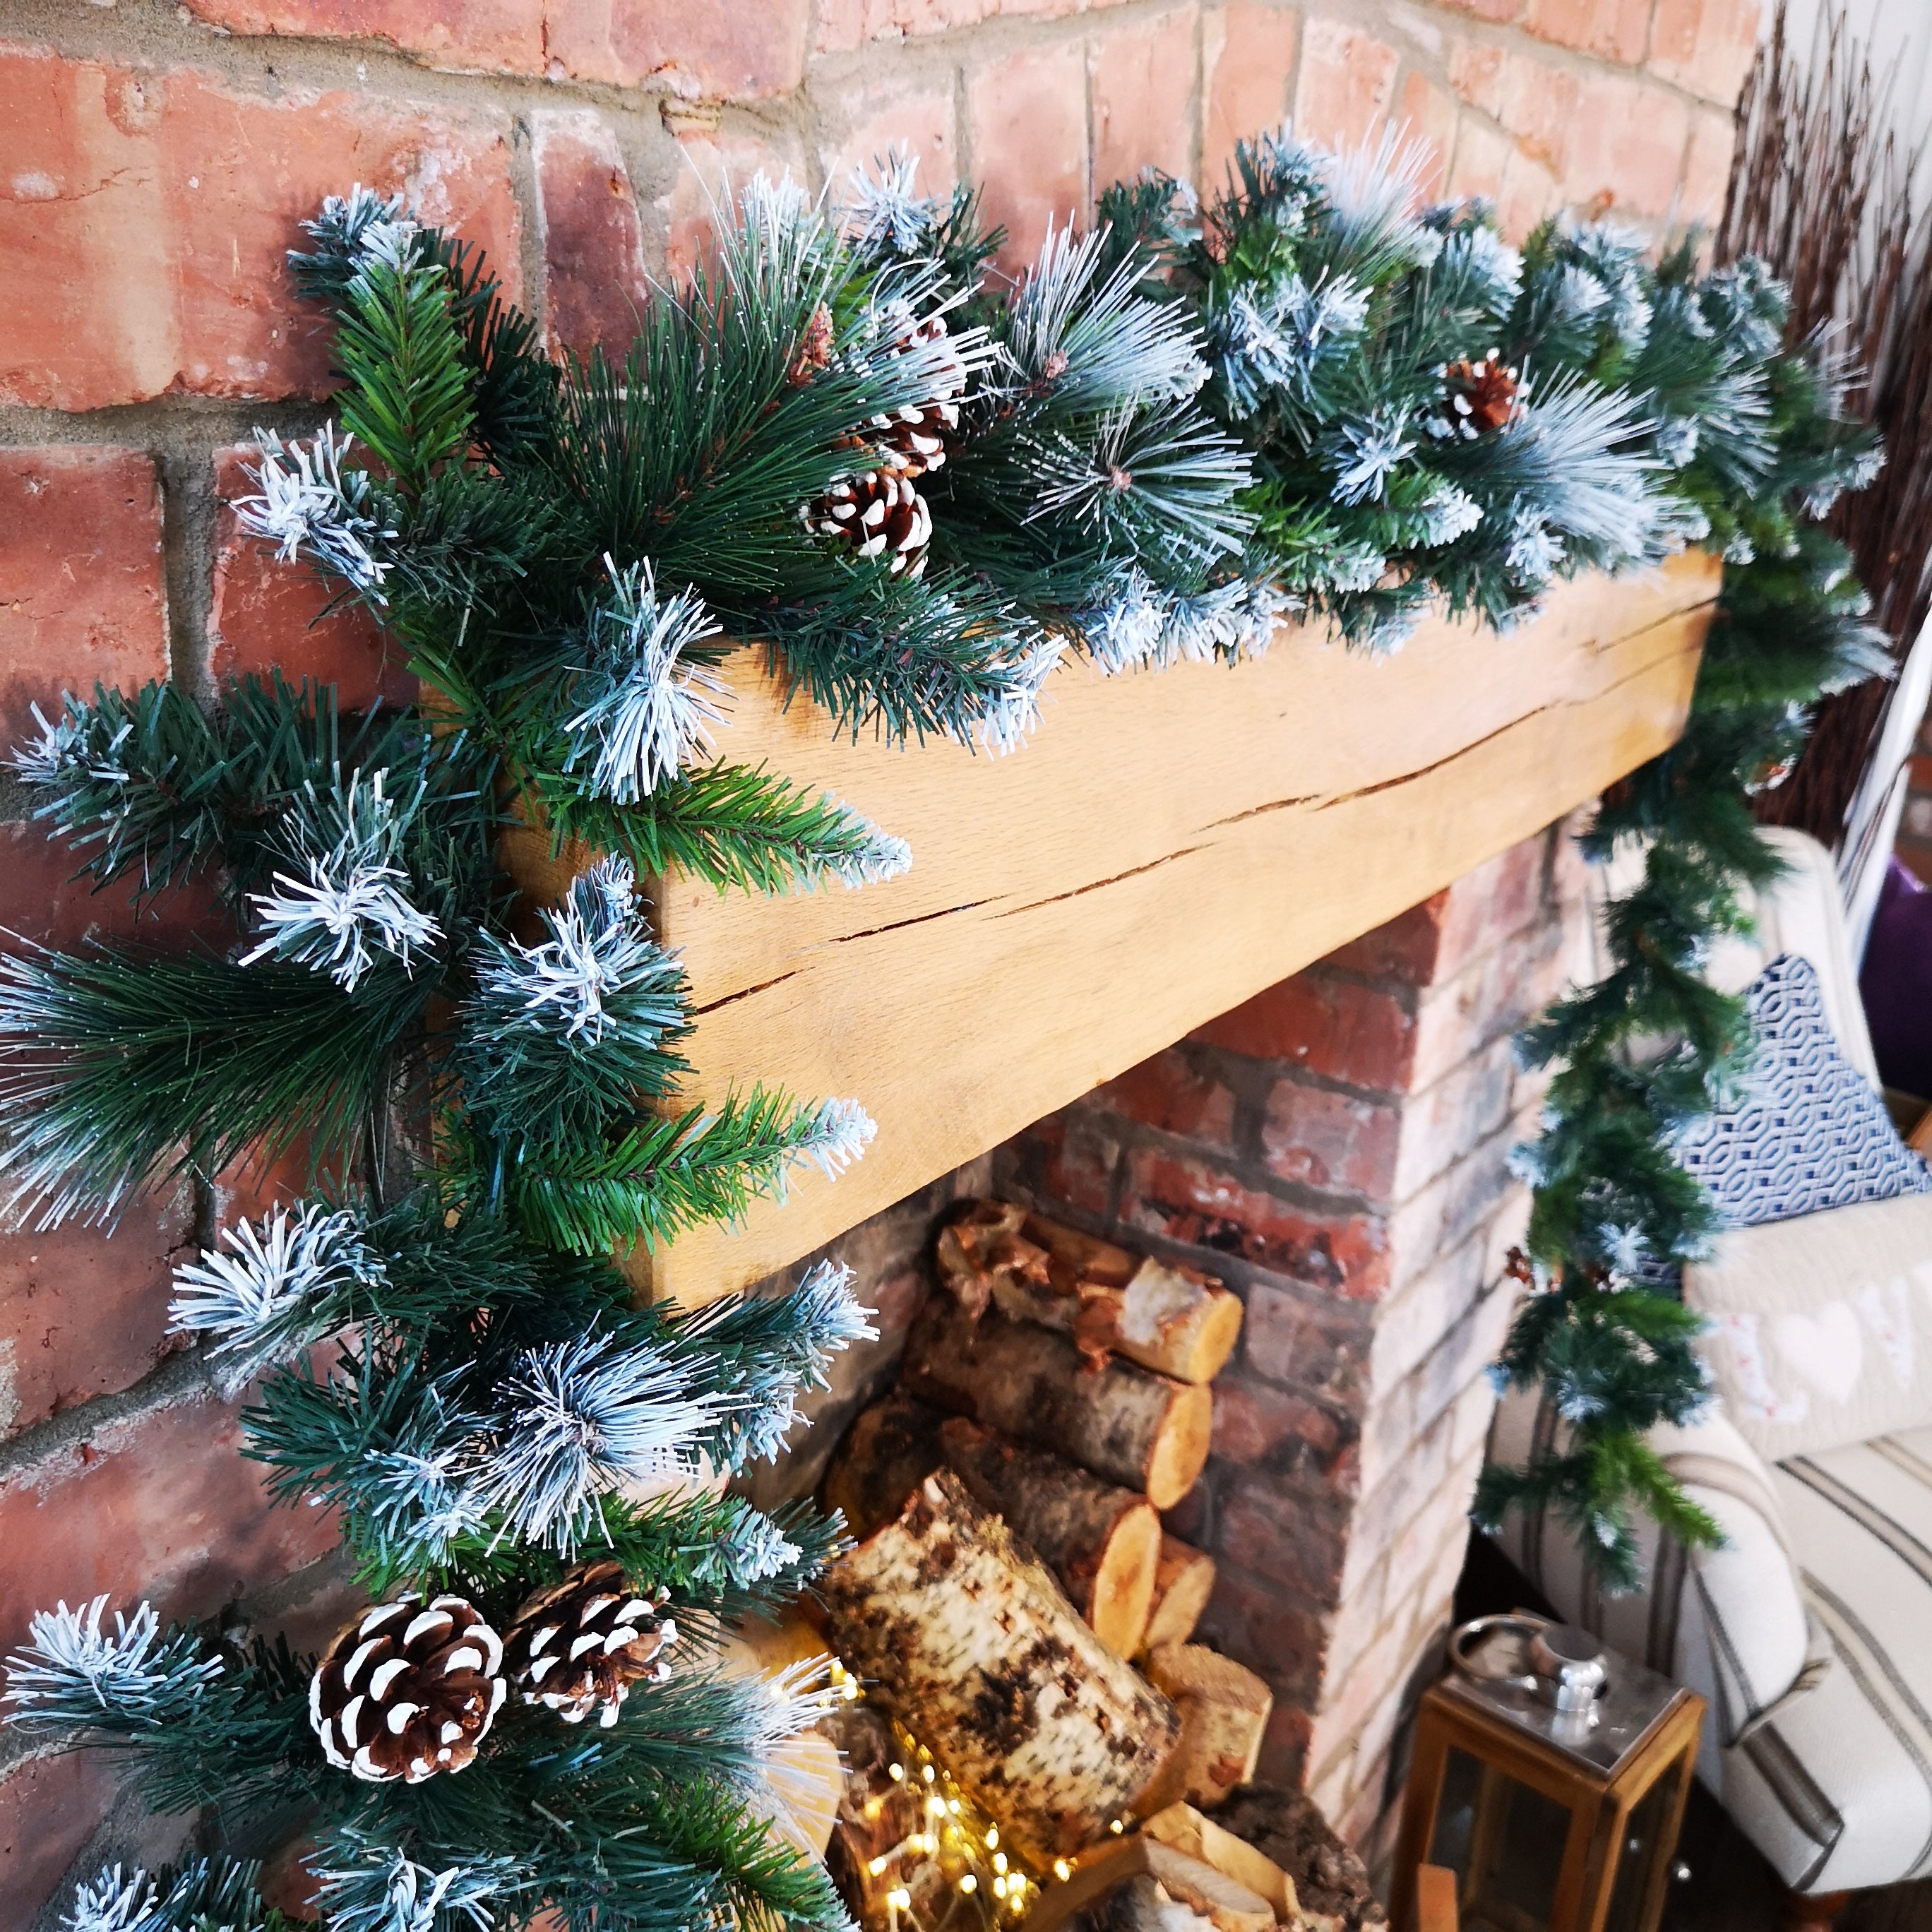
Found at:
(1165, 847)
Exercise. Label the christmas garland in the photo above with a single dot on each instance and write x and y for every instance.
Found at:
(917, 490)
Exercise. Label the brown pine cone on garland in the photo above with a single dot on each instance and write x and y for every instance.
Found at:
(1483, 395)
(879, 513)
(408, 1689)
(917, 434)
(579, 1645)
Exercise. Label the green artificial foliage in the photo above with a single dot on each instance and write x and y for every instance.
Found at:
(914, 486)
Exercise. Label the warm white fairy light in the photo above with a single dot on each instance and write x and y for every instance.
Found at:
(952, 1834)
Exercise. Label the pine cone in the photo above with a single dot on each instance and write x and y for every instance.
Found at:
(879, 513)
(1482, 395)
(579, 1645)
(408, 1690)
(917, 434)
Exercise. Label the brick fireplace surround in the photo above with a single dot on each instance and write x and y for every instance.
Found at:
(1335, 1148)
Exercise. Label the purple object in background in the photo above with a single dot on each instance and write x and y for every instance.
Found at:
(1896, 983)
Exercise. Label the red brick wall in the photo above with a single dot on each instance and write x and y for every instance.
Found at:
(1336, 1149)
(154, 163)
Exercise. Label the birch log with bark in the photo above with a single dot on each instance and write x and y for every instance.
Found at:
(1101, 1541)
(1144, 1431)
(971, 1643)
(1170, 1319)
(891, 1447)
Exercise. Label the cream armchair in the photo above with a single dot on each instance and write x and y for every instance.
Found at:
(1810, 1630)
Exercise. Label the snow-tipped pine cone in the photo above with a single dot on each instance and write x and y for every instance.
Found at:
(917, 435)
(1482, 395)
(579, 1645)
(879, 513)
(408, 1689)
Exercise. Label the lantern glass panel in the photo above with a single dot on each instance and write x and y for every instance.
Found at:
(1504, 1841)
(1647, 1836)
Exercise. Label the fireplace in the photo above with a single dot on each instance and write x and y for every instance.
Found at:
(1335, 1150)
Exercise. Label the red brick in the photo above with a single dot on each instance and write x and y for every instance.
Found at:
(1498, 11)
(154, 221)
(1346, 86)
(267, 615)
(1707, 169)
(1326, 1139)
(1247, 55)
(595, 286)
(80, 561)
(1476, 74)
(1458, 1019)
(1628, 152)
(1485, 907)
(1295, 1439)
(1143, 98)
(1200, 1206)
(1315, 1346)
(158, 1505)
(922, 123)
(694, 47)
(1167, 1092)
(42, 899)
(1527, 194)
(49, 1808)
(1611, 29)
(1080, 1158)
(1429, 114)
(1028, 117)
(84, 1312)
(1326, 1025)
(845, 25)
(710, 171)
(489, 36)
(1284, 1745)
(1286, 1538)
(1706, 45)
(1481, 153)
(1540, 105)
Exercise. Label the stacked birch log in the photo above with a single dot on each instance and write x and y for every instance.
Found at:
(1012, 1572)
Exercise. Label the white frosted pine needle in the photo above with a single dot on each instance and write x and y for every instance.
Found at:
(268, 1295)
(363, 226)
(886, 214)
(838, 1136)
(882, 855)
(71, 1666)
(754, 1549)
(385, 1891)
(1004, 725)
(578, 1417)
(831, 1314)
(643, 709)
(1367, 452)
(1375, 188)
(354, 903)
(598, 946)
(1124, 631)
(305, 501)
(109, 1902)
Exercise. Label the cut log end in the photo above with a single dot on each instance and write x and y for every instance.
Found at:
(1123, 1584)
(1179, 1451)
(1183, 1581)
(1224, 1712)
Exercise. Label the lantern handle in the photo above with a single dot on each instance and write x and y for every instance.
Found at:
(1465, 1638)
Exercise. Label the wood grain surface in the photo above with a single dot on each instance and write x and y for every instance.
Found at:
(1164, 846)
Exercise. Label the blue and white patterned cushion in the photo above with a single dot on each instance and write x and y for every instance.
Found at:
(1810, 1132)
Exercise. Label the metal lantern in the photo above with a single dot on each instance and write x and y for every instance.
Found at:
(1549, 1774)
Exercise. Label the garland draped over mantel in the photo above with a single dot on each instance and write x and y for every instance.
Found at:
(917, 486)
